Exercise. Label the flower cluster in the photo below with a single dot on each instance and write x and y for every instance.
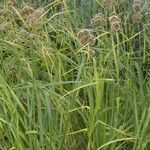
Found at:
(26, 11)
(109, 3)
(10, 2)
(85, 37)
(137, 8)
(115, 22)
(8, 13)
(33, 18)
(98, 20)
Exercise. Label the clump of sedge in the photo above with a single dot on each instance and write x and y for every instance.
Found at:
(85, 37)
(115, 22)
(98, 20)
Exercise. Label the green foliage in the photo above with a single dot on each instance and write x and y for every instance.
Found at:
(58, 93)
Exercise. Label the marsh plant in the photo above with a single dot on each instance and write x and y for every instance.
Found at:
(74, 75)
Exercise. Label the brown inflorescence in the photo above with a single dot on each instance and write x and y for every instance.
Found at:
(10, 2)
(85, 37)
(26, 11)
(10, 14)
(98, 20)
(109, 3)
(34, 17)
(137, 8)
(115, 22)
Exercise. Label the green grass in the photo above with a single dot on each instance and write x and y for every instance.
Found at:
(55, 94)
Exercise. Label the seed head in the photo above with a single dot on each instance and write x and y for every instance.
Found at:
(92, 40)
(83, 33)
(38, 13)
(86, 37)
(10, 2)
(26, 10)
(137, 6)
(116, 25)
(98, 20)
(9, 14)
(109, 3)
(113, 17)
(137, 18)
(115, 22)
(34, 17)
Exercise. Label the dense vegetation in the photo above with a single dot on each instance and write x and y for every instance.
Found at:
(75, 75)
